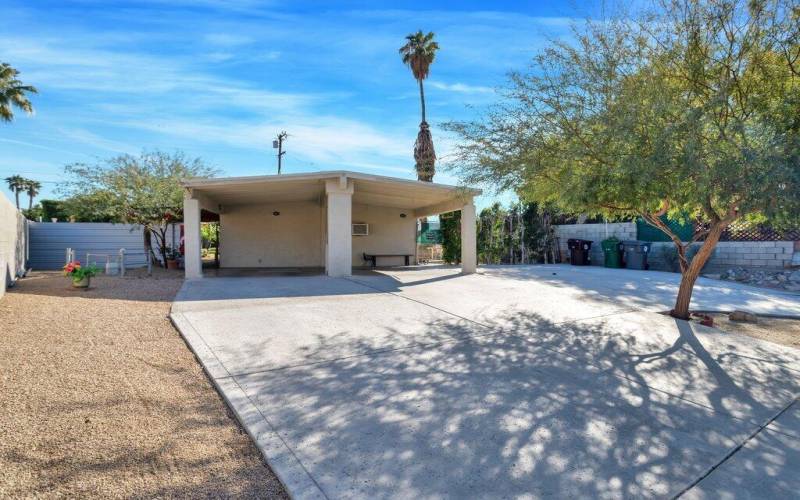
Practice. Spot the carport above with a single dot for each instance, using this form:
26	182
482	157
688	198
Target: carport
326	219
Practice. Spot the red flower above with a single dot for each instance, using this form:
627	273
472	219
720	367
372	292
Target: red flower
72	266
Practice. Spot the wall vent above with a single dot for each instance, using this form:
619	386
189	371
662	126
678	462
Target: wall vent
360	229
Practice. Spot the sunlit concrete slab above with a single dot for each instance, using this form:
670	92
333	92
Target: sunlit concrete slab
426	382
736	374
562	292
487	417
766	467
271	323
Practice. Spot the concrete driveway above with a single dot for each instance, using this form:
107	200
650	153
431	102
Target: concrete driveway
529	382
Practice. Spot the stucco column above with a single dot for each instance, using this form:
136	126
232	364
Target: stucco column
193	261
339	248
469	242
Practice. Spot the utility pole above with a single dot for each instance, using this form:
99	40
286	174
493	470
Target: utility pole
278	144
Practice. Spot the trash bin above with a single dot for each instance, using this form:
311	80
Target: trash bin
636	254
612	251
579	251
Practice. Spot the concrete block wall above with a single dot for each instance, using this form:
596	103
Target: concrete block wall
13	244
595	233
727	254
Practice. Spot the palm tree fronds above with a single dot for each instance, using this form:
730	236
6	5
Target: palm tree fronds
13	93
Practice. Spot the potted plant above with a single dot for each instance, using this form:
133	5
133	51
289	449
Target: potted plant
80	276
172	258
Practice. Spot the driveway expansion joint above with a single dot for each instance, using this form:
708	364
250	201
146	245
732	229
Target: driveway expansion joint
737	448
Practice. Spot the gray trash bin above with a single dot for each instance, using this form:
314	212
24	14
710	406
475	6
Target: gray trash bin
636	254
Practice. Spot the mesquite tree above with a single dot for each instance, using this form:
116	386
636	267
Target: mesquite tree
142	189
691	110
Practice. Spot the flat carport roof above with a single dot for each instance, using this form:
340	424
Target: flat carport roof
424	198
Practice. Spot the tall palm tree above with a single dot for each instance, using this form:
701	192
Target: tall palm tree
13	93
418	54
17	184
33	188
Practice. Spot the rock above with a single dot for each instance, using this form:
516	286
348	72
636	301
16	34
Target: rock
743	316
795	276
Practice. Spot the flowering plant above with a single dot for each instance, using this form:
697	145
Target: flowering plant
75	271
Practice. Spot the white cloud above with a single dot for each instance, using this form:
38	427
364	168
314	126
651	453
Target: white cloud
461	87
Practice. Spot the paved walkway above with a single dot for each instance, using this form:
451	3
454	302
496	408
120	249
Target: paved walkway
537	380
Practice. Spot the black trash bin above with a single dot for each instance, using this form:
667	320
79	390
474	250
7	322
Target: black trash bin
636	254
579	251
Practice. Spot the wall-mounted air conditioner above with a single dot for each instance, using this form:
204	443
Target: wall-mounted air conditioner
360	229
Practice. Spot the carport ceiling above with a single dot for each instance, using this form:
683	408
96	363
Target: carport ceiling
368	189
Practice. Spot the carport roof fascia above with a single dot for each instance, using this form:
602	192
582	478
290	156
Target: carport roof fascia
200	182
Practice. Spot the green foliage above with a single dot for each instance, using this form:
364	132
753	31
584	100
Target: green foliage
692	109
419	52
142	190
209	232
695	108
517	235
13	93
450	224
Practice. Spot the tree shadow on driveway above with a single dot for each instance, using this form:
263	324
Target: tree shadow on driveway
537	409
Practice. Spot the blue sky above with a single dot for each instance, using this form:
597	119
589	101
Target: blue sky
218	79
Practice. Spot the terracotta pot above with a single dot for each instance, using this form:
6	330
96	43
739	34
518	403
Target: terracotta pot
81	283
172	264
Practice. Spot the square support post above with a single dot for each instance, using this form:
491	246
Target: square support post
469	242
193	261
339	248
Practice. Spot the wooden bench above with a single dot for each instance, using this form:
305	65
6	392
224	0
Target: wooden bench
374	258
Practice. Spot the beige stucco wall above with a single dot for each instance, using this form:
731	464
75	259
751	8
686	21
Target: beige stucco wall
250	236
388	234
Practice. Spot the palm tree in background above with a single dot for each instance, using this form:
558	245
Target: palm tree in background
32	187
418	54
17	184
13	93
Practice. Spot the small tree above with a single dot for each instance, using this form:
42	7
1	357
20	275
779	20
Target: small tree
691	111
142	190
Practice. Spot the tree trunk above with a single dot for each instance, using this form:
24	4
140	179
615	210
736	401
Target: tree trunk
16	196
422	99
30	203
692	272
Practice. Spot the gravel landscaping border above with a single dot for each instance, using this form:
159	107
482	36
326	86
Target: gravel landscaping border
101	397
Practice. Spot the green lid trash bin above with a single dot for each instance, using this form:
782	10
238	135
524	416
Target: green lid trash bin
612	250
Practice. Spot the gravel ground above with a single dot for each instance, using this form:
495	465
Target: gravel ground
100	397
780	331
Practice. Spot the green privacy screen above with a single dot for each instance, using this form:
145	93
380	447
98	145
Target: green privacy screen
430	233
646	232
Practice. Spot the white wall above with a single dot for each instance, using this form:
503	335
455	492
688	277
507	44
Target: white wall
13	244
250	236
388	234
